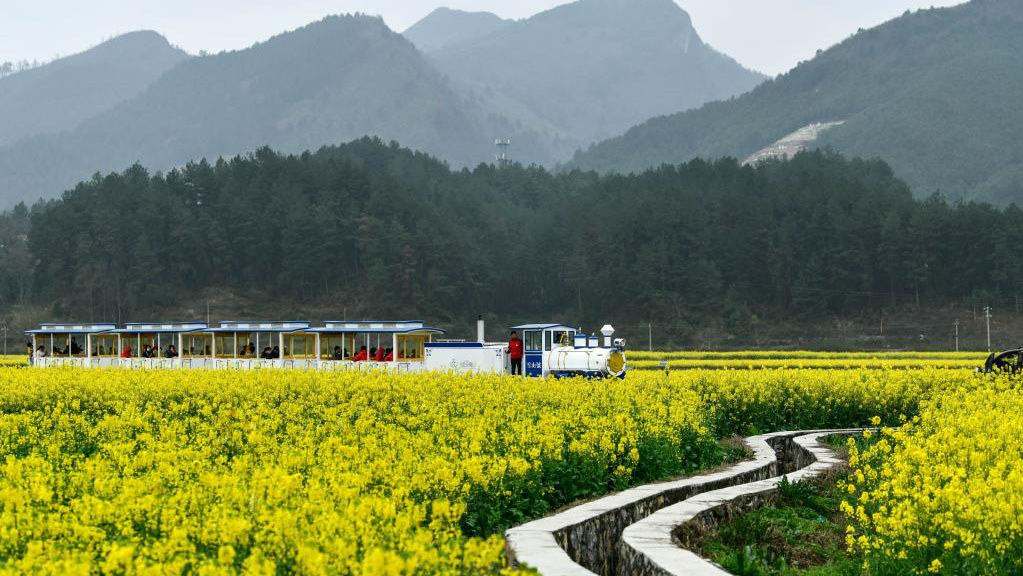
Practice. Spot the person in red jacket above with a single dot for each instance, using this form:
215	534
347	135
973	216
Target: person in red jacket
126	353
380	354
515	353
361	355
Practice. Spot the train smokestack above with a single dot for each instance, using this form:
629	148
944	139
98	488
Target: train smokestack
480	332
608	331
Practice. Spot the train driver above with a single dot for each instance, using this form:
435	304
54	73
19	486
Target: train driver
515	353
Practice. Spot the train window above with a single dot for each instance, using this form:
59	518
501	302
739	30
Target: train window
547	340
562	338
532	341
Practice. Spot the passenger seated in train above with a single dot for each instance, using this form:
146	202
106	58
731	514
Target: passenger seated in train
267	354
147	351
250	350
361	356
338	354
41	352
75	348
172	352
389	355
276	352
380	354
126	352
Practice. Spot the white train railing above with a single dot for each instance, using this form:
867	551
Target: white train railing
226	364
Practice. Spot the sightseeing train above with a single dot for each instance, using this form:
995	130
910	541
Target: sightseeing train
548	350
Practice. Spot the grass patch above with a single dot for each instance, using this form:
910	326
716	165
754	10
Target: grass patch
802	533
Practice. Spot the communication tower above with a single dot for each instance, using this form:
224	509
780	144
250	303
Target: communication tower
502	151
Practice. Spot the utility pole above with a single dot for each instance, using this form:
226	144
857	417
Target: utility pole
987	316
957	334
650	335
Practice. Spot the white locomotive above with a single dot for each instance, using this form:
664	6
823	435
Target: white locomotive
549	350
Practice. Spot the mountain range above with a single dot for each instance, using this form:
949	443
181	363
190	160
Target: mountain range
474	79
935	93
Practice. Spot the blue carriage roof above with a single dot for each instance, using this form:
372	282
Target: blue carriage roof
72	329
254	326
542	326
161	328
377	326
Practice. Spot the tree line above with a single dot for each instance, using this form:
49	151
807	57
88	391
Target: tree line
369	229
8	68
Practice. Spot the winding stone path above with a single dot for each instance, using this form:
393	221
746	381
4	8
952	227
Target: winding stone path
632	532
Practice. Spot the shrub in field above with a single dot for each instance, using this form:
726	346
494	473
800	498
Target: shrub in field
943	493
13	360
751	402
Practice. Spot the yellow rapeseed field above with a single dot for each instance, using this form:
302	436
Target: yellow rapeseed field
843	363
801	359
944	493
290	472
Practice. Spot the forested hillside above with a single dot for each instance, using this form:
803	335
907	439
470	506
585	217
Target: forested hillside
590	69
61	94
366	229
935	93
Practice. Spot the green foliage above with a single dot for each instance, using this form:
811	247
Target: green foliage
379	230
15	258
800	533
933	93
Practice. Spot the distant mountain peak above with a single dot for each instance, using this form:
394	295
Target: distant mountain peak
67	91
136	42
589	69
446	26
632	10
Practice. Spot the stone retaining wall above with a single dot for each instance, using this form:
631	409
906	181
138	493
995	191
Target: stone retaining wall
584	540
656	545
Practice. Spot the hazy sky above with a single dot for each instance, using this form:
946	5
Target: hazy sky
768	35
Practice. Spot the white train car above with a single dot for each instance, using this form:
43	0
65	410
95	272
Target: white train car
399	346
